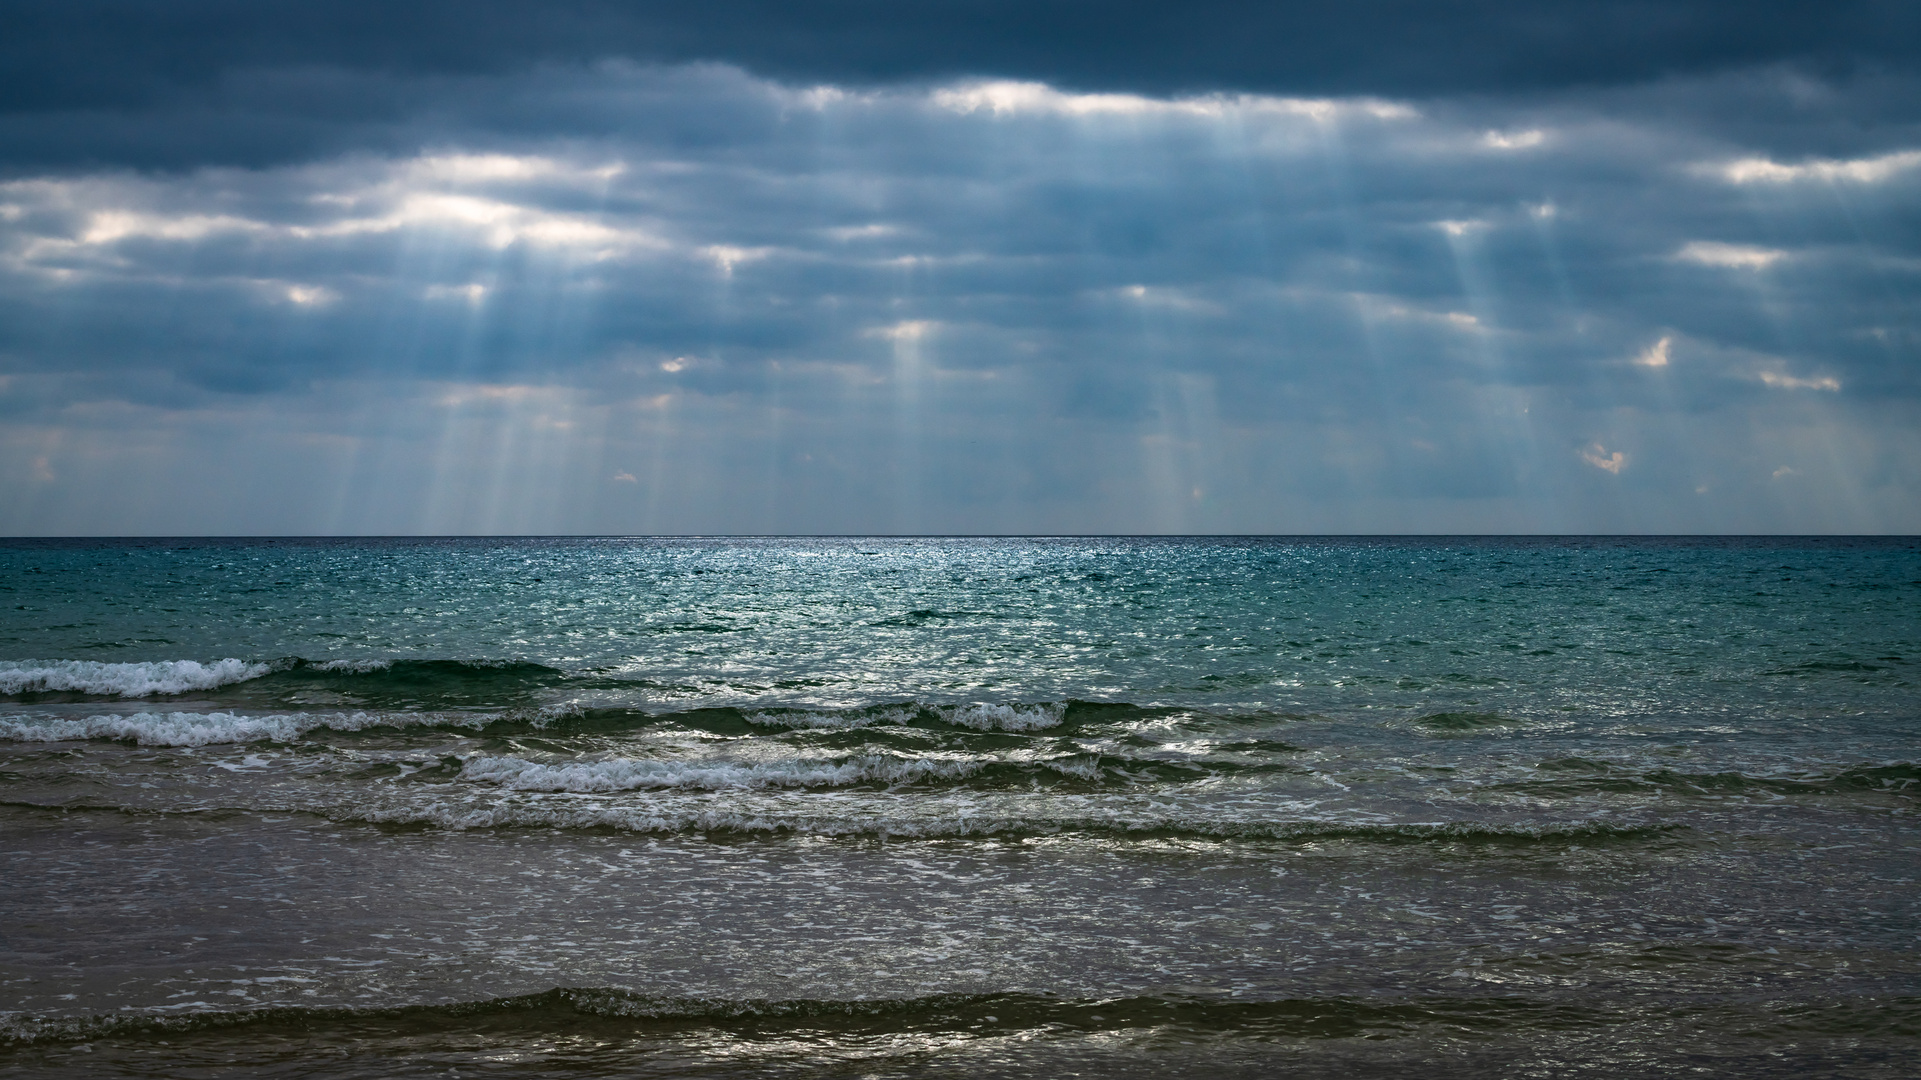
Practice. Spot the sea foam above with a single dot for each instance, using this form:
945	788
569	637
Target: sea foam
991	717
123	680
208	728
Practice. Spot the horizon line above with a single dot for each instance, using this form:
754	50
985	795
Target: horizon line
967	536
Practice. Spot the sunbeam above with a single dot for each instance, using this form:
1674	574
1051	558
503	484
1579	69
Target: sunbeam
970	305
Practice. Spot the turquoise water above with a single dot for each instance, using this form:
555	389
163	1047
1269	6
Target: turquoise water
1002	806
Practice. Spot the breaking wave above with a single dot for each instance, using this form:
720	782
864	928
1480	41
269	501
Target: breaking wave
185	728
401	682
153	678
209	728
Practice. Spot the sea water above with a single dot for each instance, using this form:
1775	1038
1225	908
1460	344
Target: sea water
987	807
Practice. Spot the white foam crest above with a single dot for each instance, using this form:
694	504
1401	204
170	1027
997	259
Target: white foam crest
988	717
123	680
636	774
159	729
1079	766
207	728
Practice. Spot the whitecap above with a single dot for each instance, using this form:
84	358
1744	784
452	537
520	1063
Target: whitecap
123	680
990	717
206	728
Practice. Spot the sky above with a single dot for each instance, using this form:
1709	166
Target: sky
959	266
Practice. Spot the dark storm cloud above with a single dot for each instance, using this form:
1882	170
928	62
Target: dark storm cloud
1084	231
242	81
997	297
959	267
112	52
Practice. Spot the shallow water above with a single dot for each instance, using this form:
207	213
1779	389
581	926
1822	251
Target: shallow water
882	807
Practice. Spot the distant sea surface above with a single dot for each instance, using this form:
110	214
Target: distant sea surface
983	807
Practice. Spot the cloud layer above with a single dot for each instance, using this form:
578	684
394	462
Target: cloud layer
620	297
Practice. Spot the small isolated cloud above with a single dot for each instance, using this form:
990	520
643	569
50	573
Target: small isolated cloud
310	295
1380	307
1513	140
726	256
906	332
1655	355
625	478
849	233
466	394
1174	299
1729	256
1781	381
1868	170
1597	455
472	293
1784	471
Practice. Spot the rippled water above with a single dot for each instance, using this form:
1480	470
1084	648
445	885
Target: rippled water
1001	807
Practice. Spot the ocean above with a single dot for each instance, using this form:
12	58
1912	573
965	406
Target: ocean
879	807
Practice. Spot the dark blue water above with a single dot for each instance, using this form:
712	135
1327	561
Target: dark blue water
996	806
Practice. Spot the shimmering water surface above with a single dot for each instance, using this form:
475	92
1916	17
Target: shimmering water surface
995	807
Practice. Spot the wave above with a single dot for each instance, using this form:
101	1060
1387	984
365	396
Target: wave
392	680
980	716
713	821
1463	723
723	824
626	774
1121	824
618	1013
1083	770
133	680
562	1009
210	728
184	728
385	684
1592	777
416	675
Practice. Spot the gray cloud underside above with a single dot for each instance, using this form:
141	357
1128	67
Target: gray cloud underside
117	52
623	297
91	83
